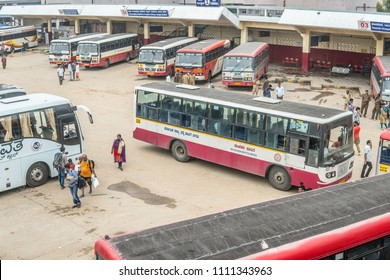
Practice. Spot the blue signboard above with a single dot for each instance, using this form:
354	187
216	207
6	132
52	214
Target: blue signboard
147	13
208	3
380	26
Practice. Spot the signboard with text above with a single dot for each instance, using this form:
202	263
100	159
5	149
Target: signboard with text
208	3
147	13
374	26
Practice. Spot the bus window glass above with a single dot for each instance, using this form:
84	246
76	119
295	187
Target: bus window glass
276	132
239	64
146	104
59	48
151	56
360	250
189	60
314	147
86	48
385	153
338	144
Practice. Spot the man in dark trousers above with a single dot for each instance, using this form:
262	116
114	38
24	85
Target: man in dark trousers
367	159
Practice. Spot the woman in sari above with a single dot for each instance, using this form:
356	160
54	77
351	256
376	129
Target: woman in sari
119	151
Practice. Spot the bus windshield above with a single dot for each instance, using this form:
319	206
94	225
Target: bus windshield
151	56
189	60
386	85
86	48
338	143
238	64
59	48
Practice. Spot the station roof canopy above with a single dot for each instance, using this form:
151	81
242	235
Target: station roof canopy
185	15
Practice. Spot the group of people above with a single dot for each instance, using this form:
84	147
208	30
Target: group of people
267	88
73	69
187	79
69	172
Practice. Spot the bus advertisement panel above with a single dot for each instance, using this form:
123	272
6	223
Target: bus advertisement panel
63	51
383	159
33	127
203	58
158	59
350	221
291	144
108	49
380	77
244	64
17	36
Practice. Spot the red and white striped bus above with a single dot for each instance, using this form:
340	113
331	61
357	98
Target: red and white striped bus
64	50
244	64
289	143
204	58
380	77
350	221
158	59
105	50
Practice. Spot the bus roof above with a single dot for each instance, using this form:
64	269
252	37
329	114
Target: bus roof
233	99
205	45
167	43
78	38
383	63
109	37
30	102
247	49
385	135
271	225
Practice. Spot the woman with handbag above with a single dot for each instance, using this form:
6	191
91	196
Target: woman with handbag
118	149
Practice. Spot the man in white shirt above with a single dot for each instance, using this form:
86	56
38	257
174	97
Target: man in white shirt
279	91
367	159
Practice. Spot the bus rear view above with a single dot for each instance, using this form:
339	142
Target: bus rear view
380	77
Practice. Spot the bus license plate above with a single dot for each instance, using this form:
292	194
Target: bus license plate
343	169
237	83
149	73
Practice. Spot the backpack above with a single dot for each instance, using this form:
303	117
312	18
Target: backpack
57	162
81	183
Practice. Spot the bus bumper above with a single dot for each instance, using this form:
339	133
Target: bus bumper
149	73
237	83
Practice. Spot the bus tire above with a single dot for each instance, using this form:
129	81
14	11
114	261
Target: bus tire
279	178
106	64
179	151
209	77
172	71
128	57
37	175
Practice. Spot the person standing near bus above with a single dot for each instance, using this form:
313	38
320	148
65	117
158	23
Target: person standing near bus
60	159
377	107
70	70
86	170
72	179
177	77
356	137
366	98
186	78
77	73
255	88
383	116
12	50
192	79
265	85
4	61
346	97
168	78
279	91
367	159
60	74
267	92
118	149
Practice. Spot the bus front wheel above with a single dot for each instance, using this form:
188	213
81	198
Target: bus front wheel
179	151
37	175
106	64
279	178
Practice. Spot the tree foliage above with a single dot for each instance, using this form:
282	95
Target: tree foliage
385	8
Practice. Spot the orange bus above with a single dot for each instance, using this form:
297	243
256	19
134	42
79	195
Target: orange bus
204	58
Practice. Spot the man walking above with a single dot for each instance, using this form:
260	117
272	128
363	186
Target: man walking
60	73
377	107
72	179
70	70
60	159
279	91
367	159
356	137
366	98
255	88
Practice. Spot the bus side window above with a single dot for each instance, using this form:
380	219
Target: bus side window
314	146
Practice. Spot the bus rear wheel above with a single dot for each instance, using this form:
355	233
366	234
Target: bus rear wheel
128	57
179	151
279	178
209	78
37	175
106	64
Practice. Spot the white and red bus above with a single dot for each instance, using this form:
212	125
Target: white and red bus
105	50
350	221
380	77
17	36
158	59
383	158
63	51
289	143
204	58
244	64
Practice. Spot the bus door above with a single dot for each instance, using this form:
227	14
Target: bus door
297	146
70	134
383	162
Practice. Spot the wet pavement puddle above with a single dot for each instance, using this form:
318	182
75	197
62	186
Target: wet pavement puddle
143	194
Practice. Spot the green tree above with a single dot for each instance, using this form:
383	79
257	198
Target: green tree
385	8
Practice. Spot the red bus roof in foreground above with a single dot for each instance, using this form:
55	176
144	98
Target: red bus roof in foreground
385	135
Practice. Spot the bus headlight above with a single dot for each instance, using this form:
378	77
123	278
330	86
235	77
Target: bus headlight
330	174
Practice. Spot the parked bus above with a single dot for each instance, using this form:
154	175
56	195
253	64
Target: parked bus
244	64
108	49
380	77
289	143
64	50
17	36
204	58
158	59
343	222
383	158
33	127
